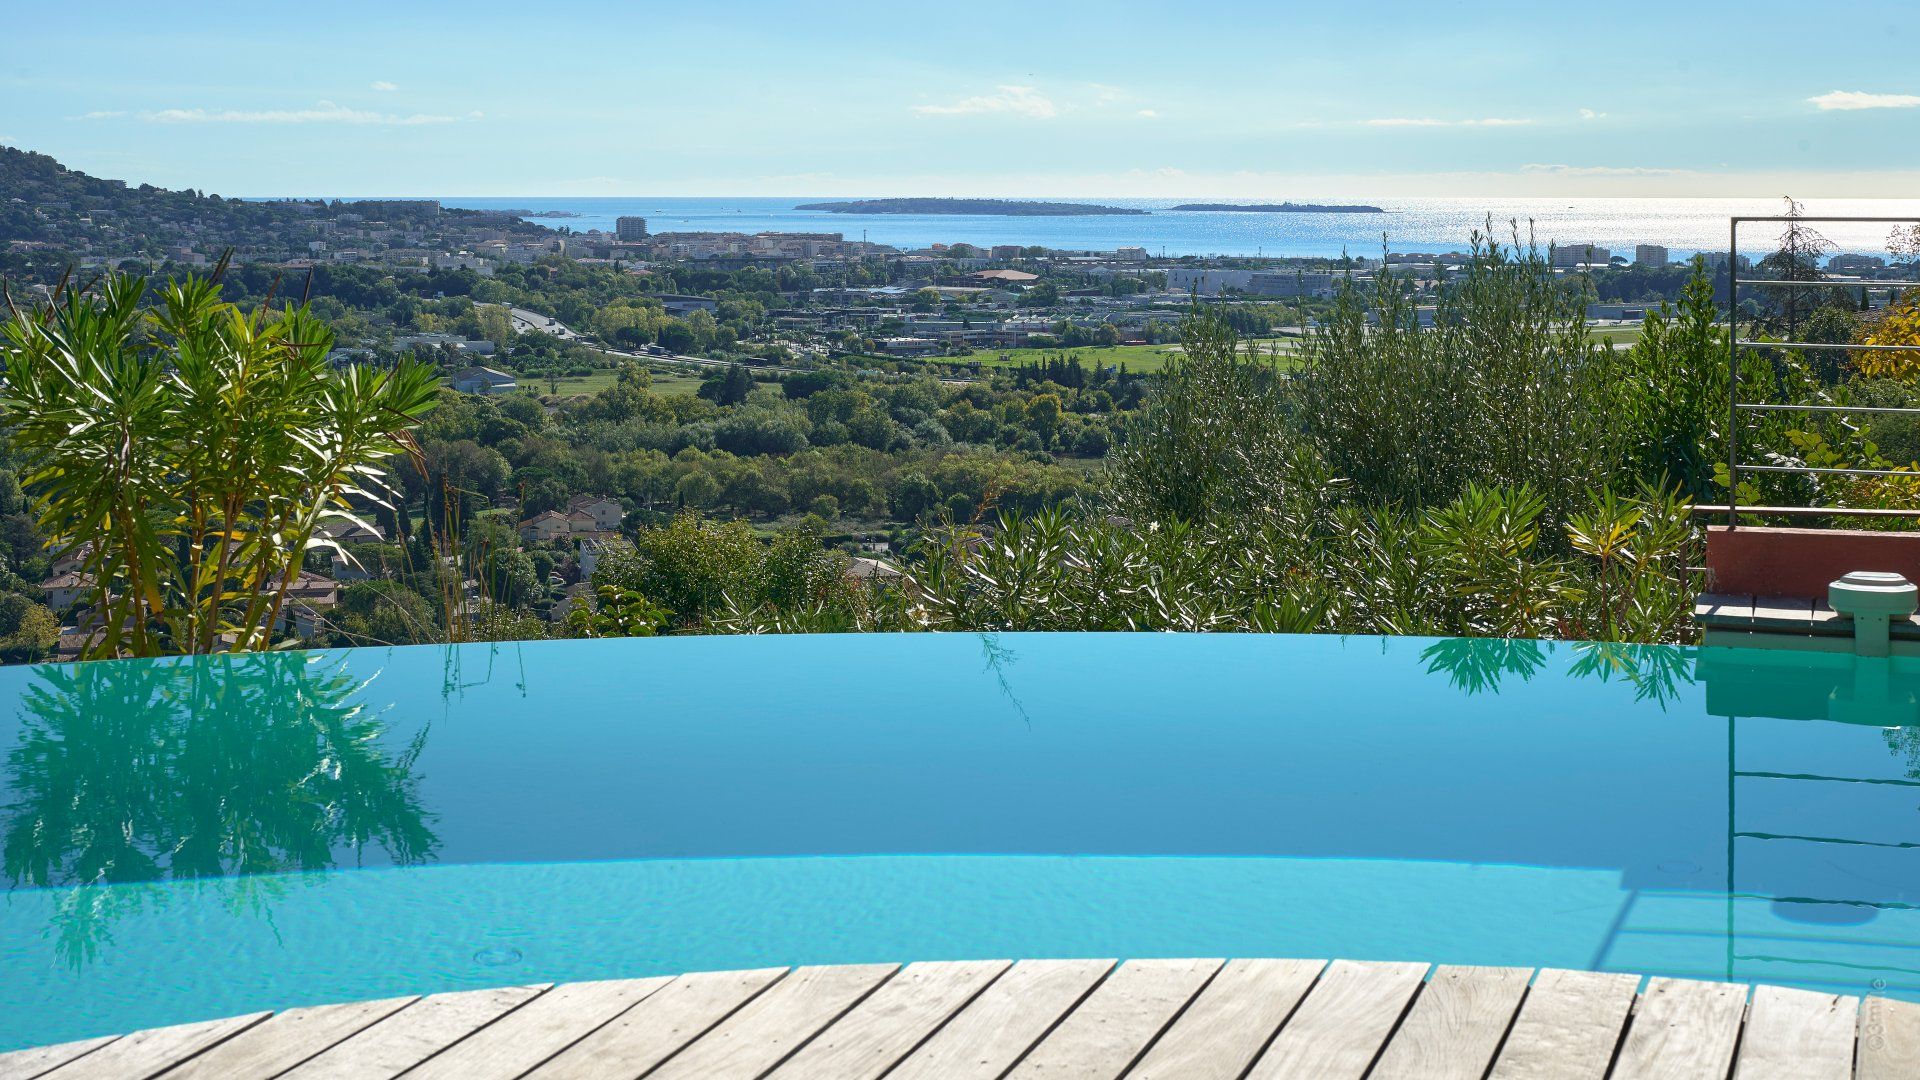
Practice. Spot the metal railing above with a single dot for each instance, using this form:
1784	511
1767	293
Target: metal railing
1735	407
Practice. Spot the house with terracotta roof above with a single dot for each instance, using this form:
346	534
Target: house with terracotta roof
544	526
606	513
65	590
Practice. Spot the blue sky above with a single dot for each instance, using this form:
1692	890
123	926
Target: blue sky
982	98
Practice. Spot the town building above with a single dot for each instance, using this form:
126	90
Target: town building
1847	263
1289	283
65	590
606	514
1650	255
1577	256
681	305
310	598
483	380
547	525
630	228
587	517
1206	282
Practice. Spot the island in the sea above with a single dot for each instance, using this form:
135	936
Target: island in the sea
1283	208
997	207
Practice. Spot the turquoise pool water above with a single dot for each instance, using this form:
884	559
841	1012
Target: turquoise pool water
191	839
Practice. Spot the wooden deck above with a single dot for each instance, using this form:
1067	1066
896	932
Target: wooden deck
1259	1019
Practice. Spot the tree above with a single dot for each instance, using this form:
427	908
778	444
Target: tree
730	387
697	489
199	448
28	631
915	496
1796	259
1043	415
385	613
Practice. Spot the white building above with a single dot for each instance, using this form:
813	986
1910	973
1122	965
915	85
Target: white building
1574	256
483	380
1650	255
1289	283
1206	282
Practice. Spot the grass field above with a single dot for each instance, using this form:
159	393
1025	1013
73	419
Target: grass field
670	384
1617	335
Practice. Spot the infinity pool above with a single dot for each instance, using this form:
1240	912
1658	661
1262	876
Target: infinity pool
192	839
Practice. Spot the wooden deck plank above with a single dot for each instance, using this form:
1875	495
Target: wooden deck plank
286	1039
147	1053
39	1060
776	1023
1889	1042
1456	1024
883	1029
1338	1031
415	1033
1682	1029
1118	1020
1231	1021
1187	1019
659	1027
536	1031
1569	1026
1798	1035
1004	1022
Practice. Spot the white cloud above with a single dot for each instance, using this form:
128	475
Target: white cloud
1428	121
325	112
1860	99
383	85
1011	100
1595	170
103	114
1148	113
1590	114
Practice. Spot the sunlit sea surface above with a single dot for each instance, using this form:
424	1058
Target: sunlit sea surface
1409	225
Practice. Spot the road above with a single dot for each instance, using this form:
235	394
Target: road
526	321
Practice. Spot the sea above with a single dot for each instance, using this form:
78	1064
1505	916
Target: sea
1409	225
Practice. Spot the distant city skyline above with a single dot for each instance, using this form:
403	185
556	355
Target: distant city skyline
993	98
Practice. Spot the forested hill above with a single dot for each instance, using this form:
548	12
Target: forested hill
43	201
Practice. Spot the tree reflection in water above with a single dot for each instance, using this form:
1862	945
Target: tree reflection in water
1479	665
216	769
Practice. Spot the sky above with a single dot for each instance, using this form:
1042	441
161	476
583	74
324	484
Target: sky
1043	98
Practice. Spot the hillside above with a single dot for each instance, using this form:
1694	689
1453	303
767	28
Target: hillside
44	204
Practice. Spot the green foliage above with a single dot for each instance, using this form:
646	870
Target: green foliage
28	631
1670	391
1504	388
699	570
1475	566
386	613
199	448
1055	570
1213	439
621	613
